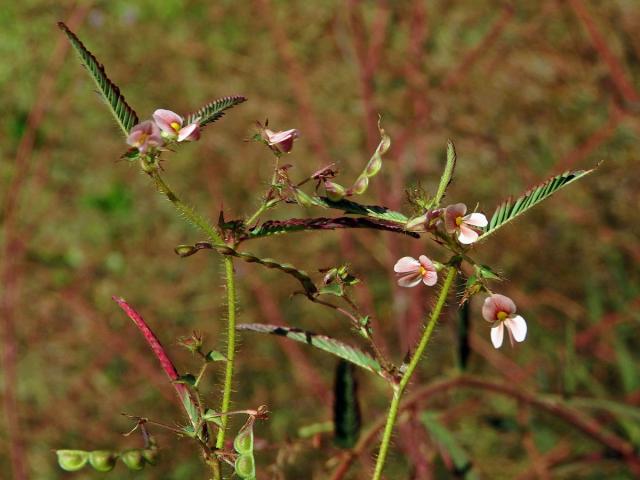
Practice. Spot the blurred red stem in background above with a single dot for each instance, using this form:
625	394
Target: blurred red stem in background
612	442
13	251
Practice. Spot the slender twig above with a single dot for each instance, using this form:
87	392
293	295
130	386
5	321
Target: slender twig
406	377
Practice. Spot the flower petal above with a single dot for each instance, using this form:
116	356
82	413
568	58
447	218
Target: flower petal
190	132
497	335
451	213
164	119
518	327
407	265
467	235
476	219
426	263
430	278
410	280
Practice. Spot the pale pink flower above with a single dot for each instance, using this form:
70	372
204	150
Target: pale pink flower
411	272
144	136
455	221
501	311
171	125
282	141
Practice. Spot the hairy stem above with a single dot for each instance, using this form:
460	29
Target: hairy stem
413	363
231	348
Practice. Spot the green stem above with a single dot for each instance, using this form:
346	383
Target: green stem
186	211
406	377
231	348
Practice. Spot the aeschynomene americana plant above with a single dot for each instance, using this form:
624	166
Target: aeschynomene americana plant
456	226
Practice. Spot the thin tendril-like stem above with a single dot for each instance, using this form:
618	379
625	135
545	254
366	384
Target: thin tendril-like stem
399	389
231	349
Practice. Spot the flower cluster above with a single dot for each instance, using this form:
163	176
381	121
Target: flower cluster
166	126
498	309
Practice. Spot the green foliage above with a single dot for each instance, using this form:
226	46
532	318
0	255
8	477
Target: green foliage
445	440
447	174
346	406
327	344
511	209
214	110
124	114
375	211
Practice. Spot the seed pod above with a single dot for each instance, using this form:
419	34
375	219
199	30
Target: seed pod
185	250
72	460
133	459
335	191
243	443
245	466
150	455
374	166
302	198
360	185
103	460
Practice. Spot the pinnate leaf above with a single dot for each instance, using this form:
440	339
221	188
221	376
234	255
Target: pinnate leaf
124	114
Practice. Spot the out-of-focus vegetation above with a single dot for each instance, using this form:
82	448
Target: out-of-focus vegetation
526	90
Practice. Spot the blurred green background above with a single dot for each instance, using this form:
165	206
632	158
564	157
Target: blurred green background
525	89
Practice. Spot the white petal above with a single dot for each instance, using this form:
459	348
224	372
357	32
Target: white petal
518	327
430	278
406	264
186	131
497	335
476	219
410	280
467	235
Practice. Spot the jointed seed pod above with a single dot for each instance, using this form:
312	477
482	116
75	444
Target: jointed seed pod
243	443
335	191
72	460
103	460
133	459
245	466
150	455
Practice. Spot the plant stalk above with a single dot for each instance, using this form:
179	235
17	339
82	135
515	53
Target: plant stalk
231	349
399	389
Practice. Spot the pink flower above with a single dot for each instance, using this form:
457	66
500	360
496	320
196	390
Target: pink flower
501	311
145	135
171	125
411	271
455	221
282	141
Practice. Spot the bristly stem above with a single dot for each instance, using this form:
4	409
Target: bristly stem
231	349
406	377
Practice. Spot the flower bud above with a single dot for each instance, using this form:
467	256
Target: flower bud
103	460
417	224
133	459
245	466
72	460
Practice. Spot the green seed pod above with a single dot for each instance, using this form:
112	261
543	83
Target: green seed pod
302	198
374	166
243	443
360	185
103	460
335	191
133	459
150	455
72	460
185	250
245	466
